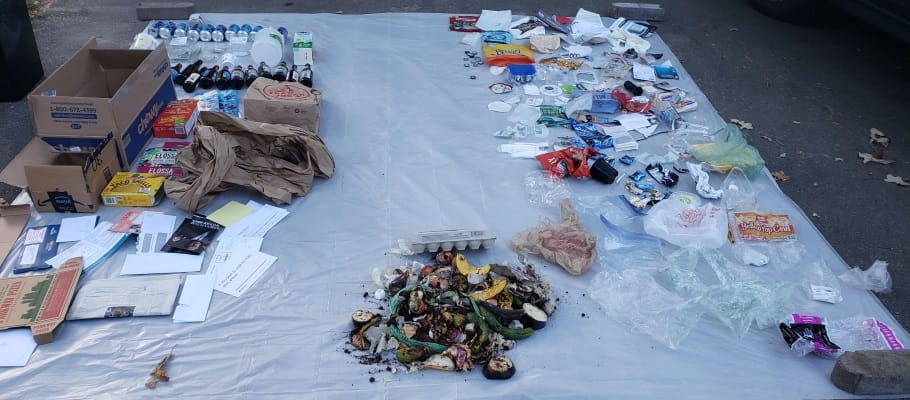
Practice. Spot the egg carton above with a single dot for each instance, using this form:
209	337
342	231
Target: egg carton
446	240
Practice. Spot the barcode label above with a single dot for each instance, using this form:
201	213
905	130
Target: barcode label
110	200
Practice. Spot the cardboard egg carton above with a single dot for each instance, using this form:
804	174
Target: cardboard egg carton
447	240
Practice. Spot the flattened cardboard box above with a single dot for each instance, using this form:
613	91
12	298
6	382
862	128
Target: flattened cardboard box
72	182
39	302
102	91
289	103
12	220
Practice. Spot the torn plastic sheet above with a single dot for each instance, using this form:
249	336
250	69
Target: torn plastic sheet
875	278
544	190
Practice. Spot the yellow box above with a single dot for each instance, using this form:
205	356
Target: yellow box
133	189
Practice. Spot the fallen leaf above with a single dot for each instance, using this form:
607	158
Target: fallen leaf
876	136
159	374
782	155
816	215
742	124
896	180
867	158
838	159
780	176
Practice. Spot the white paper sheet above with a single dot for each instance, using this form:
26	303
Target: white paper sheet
98	245
75	228
155	231
494	20
195	298
257	224
16	347
228	246
241	271
161	263
125	297
633	121
643	72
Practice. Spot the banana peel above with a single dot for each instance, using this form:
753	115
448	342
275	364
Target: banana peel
465	268
499	284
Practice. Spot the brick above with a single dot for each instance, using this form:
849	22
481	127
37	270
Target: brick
638	11
176	10
869	372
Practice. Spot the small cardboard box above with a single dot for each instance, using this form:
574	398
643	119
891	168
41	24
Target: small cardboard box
99	92
134	189
177	119
289	103
303	48
39	302
72	182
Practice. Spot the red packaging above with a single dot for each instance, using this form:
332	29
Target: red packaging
177	119
570	161
464	23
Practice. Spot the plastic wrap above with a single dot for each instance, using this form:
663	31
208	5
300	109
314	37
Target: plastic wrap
875	278
565	243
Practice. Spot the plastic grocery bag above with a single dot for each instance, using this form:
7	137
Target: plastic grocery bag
565	243
728	151
876	278
279	161
683	221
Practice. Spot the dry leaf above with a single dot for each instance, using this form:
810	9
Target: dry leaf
742	124
876	136
159	374
896	180
780	176
867	158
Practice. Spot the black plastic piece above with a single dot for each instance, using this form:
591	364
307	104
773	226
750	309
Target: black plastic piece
603	172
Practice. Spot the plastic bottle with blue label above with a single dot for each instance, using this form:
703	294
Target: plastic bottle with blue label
218	33
180	31
205	34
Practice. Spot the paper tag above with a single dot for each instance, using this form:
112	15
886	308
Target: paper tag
35	236
178	41
29	254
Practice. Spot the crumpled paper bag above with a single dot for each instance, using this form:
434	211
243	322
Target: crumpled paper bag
279	161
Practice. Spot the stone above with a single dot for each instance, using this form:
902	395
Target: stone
868	372
638	11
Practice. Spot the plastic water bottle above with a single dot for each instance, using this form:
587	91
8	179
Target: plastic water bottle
218	33
231	32
154	27
180	31
167	31
205	34
244	31
193	34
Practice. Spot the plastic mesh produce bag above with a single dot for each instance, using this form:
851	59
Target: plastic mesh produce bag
565	243
728	151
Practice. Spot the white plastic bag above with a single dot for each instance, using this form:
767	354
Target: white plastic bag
876	278
683	221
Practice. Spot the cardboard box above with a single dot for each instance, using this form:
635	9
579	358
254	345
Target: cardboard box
134	189
39	302
72	182
177	119
288	103
99	92
12	220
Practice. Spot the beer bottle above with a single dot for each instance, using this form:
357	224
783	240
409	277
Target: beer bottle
281	72
224	77
207	80
237	78
251	75
189	70
306	76
264	70
175	71
294	75
189	85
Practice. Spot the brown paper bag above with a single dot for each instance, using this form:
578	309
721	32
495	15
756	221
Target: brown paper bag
278	161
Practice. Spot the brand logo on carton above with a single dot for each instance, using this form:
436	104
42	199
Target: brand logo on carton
76	126
285	92
150	115
162	68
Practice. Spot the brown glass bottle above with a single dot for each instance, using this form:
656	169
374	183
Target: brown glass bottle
189	70
207	80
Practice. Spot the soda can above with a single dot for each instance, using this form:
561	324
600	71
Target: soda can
218	33
205	34
181	30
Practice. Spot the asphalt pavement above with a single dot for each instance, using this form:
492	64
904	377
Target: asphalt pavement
812	93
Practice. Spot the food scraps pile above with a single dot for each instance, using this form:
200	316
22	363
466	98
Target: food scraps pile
452	315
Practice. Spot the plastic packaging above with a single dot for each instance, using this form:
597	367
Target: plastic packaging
875	278
683	221
566	243
739	195
820	284
807	334
703	182
268	47
633	298
544	190
728	151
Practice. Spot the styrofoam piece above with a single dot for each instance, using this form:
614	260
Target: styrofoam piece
446	240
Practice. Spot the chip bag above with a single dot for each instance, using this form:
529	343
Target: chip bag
501	55
569	161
